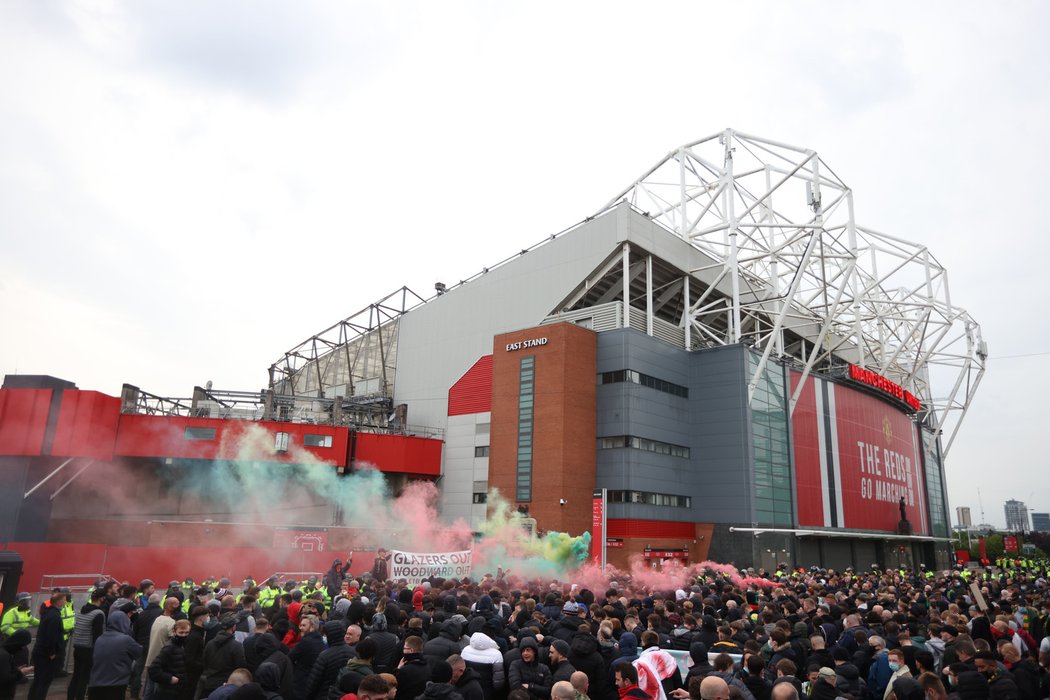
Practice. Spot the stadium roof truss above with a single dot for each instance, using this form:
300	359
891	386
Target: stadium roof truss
779	228
358	353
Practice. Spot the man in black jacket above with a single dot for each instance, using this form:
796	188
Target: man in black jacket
50	639
413	672
222	655
326	668
467	681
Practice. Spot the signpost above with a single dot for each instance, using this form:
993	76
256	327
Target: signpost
599	524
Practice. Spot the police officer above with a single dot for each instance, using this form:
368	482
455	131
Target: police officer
19	617
268	595
69	618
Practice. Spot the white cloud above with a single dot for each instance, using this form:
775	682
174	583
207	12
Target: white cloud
192	188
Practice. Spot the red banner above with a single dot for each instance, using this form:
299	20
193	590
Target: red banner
962	556
1010	544
856	457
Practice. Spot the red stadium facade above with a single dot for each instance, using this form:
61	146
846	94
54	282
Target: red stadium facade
76	467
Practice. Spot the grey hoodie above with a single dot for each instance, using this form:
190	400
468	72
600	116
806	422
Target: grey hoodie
115	653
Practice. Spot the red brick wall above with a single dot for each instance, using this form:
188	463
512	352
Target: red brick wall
564	423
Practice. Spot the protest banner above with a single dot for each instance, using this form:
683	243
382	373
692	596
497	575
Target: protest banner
414	567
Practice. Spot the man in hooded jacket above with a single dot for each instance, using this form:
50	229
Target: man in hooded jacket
222	655
528	673
448	642
115	654
326	668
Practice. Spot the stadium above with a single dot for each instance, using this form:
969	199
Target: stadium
720	363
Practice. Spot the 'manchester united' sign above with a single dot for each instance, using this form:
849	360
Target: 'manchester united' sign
877	381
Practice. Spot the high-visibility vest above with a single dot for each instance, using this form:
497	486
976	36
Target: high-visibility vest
16	619
267	595
69	618
308	591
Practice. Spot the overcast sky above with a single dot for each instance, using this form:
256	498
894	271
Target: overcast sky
188	189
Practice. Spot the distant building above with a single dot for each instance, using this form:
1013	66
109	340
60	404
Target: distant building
1041	522
1016	516
962	517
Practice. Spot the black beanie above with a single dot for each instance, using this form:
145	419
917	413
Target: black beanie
441	672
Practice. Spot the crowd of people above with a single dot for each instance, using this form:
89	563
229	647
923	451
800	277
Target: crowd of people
790	634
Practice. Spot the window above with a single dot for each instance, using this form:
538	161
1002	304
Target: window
317	440
481	451
481	497
653	499
526	376
630	376
482	428
200	433
662	448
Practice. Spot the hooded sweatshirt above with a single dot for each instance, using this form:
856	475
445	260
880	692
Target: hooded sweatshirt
115	653
482	651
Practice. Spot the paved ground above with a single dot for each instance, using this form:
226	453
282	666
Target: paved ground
56	691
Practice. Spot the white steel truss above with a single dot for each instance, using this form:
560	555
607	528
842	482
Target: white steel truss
780	225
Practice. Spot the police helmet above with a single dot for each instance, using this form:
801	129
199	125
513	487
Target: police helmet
173	584
23	596
312	579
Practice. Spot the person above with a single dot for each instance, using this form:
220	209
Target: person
374	687
168	670
222	655
561	669
351	675
388	646
159	636
563	690
325	670
626	679
115	654
380	568
1025	671
440	685
781	691
88	626
11	671
1001	685
305	652
932	687
19	617
269	679
447	642
47	651
239	678
194	648
482	654
895	660
528	673
467	680
141	627
581	684
713	688
413	671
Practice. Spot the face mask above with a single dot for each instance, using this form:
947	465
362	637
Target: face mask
178	641
894	666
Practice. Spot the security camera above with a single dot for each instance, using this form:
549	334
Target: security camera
562	501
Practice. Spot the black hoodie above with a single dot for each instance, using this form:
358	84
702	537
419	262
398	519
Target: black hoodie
469	685
585	656
9	671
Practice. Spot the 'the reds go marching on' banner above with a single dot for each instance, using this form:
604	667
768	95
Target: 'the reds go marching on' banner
414	567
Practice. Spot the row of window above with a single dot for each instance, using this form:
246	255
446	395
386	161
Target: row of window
629	375
661	448
309	440
652	499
